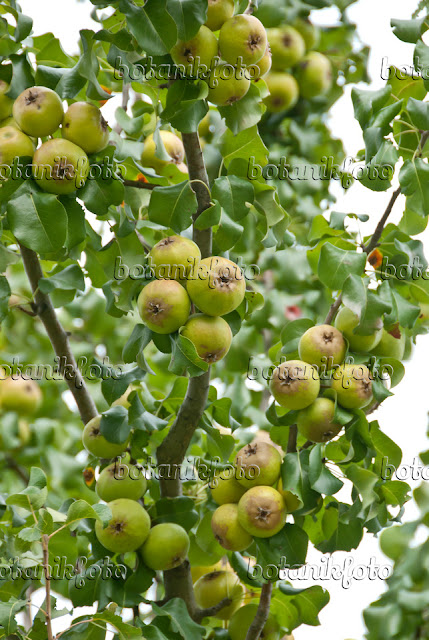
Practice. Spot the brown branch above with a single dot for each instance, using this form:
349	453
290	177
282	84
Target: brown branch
379	228
45	547
58	336
262	613
251	7
140	185
212	611
333	310
171	452
198	173
293	434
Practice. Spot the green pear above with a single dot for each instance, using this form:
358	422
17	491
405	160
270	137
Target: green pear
316	422
309	32
314	75
127	529
353	385
287	47
262	512
211	336
218	12
225	488
164	306
227	85
258	463
60	166
166	546
242	619
6	103
213	587
263	65
84	125
284	92
322	346
295	384
14	144
196	55
96	443
173	147
174	257
346	321
227	530
218	286
242	39
390	346
22	396
38	111
121	480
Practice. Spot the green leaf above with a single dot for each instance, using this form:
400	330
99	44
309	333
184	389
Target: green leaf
409	30
367	103
186	105
70	278
321	479
151	25
37	478
188	15
179	619
335	265
354	295
289	547
38	221
234	195
419	113
247	145
114	424
180	509
8	612
414	181
291	334
244	113
173	206
80	510
209	218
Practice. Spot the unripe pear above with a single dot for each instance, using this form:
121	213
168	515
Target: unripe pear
121	480
263	65
127	529
242	619
353	385
258	463
164	306
314	75
292	502
227	85
210	335
218	12
174	257
166	547
287	47
22	396
284	92
242	38
262	512
346	321
390	346
13	144
295	384
38	111
173	146
225	488
195	56
316	422
6	103
228	531
60	166
214	587
96	443
309	32
84	125
199	571
218	287
322	346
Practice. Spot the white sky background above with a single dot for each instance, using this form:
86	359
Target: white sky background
404	416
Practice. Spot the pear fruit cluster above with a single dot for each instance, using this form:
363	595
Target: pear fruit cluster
250	497
214	285
60	165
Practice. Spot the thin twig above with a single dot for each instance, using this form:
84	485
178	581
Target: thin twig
140	185
252	6
211	611
262	613
333	310
379	228
45	547
58	336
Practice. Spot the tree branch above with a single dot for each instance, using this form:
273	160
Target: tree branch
333	310
45	547
262	613
212	611
140	185
58	336
379	228
293	434
171	452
